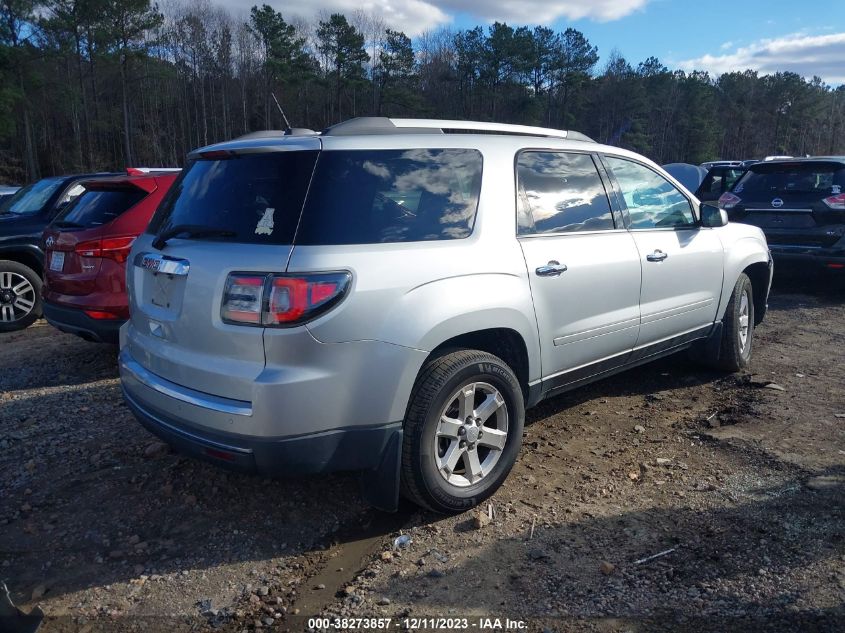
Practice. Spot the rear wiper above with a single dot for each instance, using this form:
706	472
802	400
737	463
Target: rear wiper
192	230
68	225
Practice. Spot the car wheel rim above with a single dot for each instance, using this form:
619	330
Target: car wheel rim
471	434
17	297
744	323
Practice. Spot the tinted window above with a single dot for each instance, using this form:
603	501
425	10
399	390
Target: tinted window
31	199
257	197
560	193
94	208
773	178
718	181
369	197
652	201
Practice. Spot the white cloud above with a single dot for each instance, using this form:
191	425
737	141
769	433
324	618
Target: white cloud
411	16
415	16
806	55
545	11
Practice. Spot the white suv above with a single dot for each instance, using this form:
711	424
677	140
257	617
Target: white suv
391	295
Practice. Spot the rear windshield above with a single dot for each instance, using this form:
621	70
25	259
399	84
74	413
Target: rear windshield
256	197
379	196
95	208
787	178
32	198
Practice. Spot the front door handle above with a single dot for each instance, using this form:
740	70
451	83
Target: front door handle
552	269
657	256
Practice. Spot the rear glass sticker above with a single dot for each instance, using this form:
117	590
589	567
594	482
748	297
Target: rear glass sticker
265	224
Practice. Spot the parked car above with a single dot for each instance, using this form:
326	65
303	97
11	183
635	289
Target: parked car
23	218
390	296
7	192
690	176
799	204
721	176
86	249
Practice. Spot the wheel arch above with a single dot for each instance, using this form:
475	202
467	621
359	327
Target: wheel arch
759	274
503	342
29	257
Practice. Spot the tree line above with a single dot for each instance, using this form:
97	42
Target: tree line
88	85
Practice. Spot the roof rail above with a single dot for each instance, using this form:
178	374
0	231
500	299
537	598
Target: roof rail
384	125
464	127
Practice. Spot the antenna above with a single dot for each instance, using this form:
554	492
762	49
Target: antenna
287	123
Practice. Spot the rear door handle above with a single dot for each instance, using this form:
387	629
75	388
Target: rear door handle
552	269
656	256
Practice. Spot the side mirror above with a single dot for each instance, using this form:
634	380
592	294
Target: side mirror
712	216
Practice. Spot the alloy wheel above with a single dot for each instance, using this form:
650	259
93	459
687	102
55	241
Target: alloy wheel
471	434
17	297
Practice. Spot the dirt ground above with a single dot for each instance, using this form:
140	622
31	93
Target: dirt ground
734	486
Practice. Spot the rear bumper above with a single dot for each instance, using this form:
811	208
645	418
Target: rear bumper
347	448
827	258
338	450
75	321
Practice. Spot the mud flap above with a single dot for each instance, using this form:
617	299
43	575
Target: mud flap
380	487
709	349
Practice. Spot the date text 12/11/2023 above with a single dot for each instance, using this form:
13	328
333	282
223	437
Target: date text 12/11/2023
417	624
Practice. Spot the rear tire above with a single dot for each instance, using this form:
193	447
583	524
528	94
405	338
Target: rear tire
20	296
738	328
463	431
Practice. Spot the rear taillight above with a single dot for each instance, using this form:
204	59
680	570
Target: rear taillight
121	313
242	299
281	300
728	200
836	202
116	248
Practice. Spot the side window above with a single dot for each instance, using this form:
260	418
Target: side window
652	201
382	196
560	193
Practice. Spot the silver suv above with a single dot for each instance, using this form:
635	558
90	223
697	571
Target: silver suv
390	295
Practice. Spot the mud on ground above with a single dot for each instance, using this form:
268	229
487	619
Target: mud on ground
735	483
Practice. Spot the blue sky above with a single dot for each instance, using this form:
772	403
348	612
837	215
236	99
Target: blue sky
804	36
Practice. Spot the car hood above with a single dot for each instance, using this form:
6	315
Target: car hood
13	225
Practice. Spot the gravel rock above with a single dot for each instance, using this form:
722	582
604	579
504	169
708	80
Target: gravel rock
480	520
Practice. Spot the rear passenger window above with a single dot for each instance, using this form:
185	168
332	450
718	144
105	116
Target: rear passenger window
652	201
379	196
98	207
560	193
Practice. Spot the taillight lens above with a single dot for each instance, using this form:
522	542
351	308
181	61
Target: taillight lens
728	200
116	248
120	313
281	300
242	299
836	202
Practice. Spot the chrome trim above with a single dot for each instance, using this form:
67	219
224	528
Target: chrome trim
199	439
778	210
156	263
603	330
183	394
652	317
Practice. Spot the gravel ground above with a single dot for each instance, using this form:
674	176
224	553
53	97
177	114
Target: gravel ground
735	485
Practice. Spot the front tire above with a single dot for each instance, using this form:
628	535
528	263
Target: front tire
463	431
20	296
738	327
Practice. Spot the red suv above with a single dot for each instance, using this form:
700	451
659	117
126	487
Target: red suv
86	249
